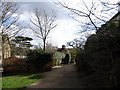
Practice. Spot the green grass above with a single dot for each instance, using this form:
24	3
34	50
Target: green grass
19	81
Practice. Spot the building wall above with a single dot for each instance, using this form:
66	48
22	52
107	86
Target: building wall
6	47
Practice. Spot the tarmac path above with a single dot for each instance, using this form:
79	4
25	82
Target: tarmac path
65	76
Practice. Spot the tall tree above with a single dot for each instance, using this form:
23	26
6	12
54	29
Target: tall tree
44	23
9	16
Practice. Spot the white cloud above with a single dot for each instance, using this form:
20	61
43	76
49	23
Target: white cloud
67	27
66	31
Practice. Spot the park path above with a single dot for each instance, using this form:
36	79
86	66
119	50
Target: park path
60	77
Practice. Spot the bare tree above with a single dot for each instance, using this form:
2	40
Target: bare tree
9	17
77	43
50	48
44	23
9	26
93	15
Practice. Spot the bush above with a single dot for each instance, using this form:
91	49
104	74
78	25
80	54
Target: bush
39	59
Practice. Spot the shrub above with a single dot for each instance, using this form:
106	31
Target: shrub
13	65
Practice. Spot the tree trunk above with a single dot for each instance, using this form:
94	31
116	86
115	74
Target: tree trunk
44	44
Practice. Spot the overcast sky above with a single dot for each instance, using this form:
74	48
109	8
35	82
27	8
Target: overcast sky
67	28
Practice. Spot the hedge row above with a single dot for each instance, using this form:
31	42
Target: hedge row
36	61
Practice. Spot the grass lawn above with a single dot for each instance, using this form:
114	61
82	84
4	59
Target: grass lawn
20	81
